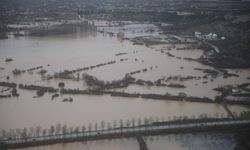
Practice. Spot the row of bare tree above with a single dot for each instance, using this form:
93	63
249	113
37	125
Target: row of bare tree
64	129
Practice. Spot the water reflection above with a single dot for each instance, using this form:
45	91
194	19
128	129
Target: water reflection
114	144
198	141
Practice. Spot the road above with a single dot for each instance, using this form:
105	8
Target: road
123	132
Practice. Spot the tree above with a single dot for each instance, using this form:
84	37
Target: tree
18	133
109	126
31	132
24	133
114	124
222	115
38	130
139	121
76	130
3	133
96	126
185	117
216	115
146	121
156	119
128	123
78	76
44	132
52	130
162	119
11	134
133	122
58	128
71	129
64	129
151	120
121	124
182	94
83	129
61	84
90	127
102	125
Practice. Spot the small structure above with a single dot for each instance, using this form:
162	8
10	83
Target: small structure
210	36
235	90
222	38
8	59
120	35
198	35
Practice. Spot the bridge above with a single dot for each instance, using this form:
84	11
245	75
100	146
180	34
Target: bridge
155	128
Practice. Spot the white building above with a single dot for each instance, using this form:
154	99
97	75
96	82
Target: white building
211	36
198	35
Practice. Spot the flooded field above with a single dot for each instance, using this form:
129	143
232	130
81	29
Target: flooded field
31	112
68	52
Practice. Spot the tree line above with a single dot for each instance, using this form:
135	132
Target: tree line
63	129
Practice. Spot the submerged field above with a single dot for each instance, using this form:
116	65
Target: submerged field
168	62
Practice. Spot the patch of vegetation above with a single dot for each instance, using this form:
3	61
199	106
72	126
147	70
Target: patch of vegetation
245	114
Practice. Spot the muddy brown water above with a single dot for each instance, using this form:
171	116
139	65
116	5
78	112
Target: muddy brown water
85	49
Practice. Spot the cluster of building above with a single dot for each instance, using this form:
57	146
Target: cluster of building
210	36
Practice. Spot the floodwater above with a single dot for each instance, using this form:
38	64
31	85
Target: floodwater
198	141
114	144
204	141
68	52
31	112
